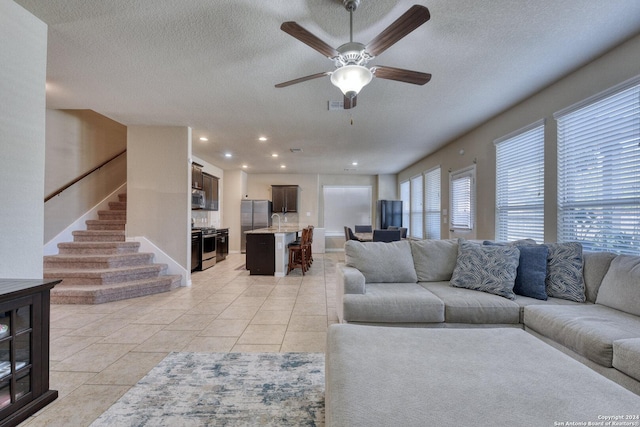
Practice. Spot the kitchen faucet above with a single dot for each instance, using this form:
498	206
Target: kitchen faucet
275	214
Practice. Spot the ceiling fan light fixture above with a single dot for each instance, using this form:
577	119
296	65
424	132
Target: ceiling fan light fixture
350	79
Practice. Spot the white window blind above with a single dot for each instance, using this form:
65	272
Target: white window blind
417	207
520	185
599	171
432	203
405	196
462	189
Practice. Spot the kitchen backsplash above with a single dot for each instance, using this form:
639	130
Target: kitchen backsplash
206	218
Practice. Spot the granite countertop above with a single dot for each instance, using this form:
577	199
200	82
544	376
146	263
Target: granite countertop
284	228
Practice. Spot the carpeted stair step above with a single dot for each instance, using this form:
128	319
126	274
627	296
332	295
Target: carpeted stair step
122	197
104	248
65	293
110	215
105	224
99	236
105	276
99	261
118	206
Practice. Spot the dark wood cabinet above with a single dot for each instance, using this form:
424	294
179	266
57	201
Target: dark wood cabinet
261	254
284	198
24	349
196	176
210	187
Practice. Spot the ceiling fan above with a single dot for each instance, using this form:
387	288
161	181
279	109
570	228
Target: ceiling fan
350	59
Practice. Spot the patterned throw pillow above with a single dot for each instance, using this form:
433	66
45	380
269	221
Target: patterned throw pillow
489	269
564	271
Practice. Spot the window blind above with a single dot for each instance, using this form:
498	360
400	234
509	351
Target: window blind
462	188
405	196
520	185
599	171
432	203
417	208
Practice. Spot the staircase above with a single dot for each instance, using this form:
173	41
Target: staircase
100	266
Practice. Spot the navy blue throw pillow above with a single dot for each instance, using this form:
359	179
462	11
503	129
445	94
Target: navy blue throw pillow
532	270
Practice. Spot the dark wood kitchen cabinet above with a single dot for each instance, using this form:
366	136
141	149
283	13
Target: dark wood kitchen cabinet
284	198
24	349
261	254
210	187
196	176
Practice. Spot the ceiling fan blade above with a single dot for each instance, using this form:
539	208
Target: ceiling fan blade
295	30
303	79
400	75
350	102
409	21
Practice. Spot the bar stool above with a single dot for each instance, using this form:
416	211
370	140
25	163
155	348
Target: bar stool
298	253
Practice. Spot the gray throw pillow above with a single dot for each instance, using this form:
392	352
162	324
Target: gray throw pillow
620	288
564	271
434	259
381	262
489	269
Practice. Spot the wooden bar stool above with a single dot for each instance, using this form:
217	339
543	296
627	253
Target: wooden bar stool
299	253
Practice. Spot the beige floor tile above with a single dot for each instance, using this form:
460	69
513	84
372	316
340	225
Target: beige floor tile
225	328
166	341
263	334
219	298
76	321
65	382
100	328
209	308
271	317
307	324
246	301
66	346
314	342
239	312
94	358
258	291
190	322
160	317
211	344
310	309
133	334
79	408
128	370
256	348
278	304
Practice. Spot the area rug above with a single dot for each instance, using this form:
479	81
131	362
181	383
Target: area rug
225	389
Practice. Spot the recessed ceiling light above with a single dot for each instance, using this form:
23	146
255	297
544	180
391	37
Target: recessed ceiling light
274	155
227	154
262	138
244	166
204	138
354	163
283	166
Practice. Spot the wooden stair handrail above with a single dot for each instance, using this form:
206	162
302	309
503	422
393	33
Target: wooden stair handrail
81	177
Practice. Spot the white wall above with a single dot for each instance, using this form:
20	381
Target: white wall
23	66
618	65
159	189
235	188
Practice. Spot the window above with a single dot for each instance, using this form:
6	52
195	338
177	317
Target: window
417	207
432	203
599	171
405	196
462	188
520	185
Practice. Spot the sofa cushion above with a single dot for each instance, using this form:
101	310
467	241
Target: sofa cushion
473	307
489	269
532	269
434	260
596	265
620	288
564	271
381	262
393	303
626	357
587	329
523	302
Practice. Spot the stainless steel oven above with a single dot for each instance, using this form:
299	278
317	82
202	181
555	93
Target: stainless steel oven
208	248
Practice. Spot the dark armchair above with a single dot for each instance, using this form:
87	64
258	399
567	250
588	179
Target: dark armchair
386	235
363	229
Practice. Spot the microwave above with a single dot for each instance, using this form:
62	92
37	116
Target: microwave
197	199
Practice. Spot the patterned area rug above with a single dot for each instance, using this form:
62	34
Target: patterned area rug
225	389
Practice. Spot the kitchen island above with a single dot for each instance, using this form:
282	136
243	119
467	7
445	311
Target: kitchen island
267	249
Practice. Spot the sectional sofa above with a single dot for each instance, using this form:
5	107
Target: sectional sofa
585	304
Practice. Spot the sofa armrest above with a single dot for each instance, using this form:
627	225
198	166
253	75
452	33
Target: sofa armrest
350	280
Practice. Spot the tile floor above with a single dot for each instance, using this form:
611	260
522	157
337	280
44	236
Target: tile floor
99	351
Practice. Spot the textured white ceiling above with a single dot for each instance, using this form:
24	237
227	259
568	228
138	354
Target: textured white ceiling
212	65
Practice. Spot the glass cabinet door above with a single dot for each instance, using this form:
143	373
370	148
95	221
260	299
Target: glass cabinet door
16	337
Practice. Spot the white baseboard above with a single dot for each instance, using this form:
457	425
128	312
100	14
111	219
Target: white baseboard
161	257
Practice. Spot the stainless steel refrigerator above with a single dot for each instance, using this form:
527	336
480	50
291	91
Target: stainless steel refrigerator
389	213
253	214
